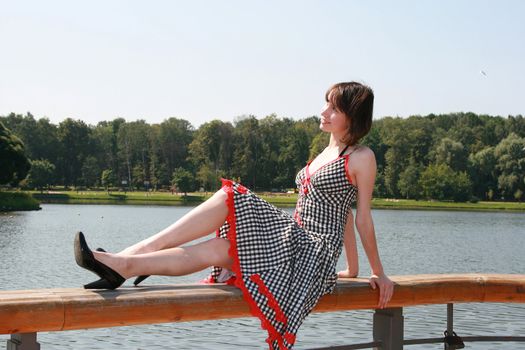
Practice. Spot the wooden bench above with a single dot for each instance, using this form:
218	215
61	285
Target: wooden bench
25	312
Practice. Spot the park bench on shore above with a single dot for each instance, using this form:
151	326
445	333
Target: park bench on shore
23	313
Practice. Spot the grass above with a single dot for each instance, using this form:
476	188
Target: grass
115	197
446	205
17	201
278	199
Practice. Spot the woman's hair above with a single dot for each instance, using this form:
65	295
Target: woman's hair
356	101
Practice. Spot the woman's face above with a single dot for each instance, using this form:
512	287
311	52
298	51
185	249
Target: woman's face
332	119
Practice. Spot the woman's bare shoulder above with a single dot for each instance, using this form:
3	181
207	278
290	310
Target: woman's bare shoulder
364	152
363	158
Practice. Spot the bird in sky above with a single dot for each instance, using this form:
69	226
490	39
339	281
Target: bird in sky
483	72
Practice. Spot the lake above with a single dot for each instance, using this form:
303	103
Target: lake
36	251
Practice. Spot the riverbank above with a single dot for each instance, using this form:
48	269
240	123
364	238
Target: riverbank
17	201
278	199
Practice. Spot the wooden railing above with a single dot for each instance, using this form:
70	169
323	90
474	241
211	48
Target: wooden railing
23	313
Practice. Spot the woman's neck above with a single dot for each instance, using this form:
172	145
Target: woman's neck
335	143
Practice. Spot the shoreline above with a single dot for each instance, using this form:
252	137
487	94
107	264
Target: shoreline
280	200
17	201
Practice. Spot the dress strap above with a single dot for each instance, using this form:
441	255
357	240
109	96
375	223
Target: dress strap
343	151
341	154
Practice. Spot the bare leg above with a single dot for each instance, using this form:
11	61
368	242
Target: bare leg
175	261
199	222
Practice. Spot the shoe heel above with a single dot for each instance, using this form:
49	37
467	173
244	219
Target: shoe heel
85	259
140	279
99	284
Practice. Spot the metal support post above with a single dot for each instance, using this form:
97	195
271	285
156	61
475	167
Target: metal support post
389	328
23	341
452	341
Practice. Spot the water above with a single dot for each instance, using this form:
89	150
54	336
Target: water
36	251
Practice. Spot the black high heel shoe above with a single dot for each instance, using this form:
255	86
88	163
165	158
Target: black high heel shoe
84	258
140	279
100	283
103	284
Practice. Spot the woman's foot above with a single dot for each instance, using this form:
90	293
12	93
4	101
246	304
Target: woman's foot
98	262
132	250
104	284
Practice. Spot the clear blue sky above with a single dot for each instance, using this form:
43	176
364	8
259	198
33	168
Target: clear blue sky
201	60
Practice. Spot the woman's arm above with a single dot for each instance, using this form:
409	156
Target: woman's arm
352	268
365	174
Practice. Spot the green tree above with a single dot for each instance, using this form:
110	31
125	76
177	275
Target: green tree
518	194
466	129
247	152
103	140
396	157
183	180
408	183
493	131
510	158
379	185
139	176
375	142
41	174
107	179
174	137
452	153
516	124
283	144
14	165
211	147
435	181
319	143
39	136
133	140
208	178
482	170
91	171
310	125
293	154
440	181
74	148
162	176
462	187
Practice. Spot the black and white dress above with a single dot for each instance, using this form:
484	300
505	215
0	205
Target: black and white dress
282	263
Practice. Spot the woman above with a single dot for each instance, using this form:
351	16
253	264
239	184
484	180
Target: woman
282	264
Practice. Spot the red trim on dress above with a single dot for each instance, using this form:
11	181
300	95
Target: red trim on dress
347	173
272	302
227	186
290	338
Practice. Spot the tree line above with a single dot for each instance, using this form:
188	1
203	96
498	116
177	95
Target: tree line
456	156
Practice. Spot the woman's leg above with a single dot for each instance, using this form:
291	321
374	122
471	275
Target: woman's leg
170	261
199	222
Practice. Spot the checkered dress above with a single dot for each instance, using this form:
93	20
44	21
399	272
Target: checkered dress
282	263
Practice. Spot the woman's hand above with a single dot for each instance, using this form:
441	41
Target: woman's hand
386	288
347	274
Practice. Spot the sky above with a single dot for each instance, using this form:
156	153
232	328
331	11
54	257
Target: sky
204	60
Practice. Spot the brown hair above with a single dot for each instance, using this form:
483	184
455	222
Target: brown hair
356	101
